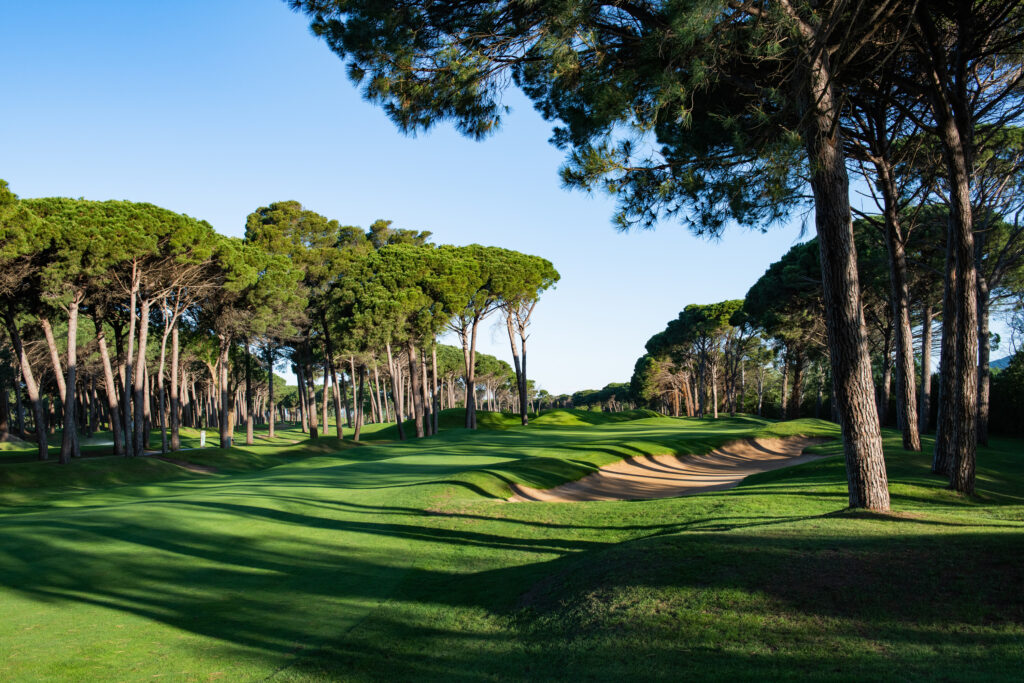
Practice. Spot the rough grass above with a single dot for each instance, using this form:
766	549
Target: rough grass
404	561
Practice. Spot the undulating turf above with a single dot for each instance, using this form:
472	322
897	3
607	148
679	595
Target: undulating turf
404	561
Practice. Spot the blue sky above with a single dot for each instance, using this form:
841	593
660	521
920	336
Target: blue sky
216	107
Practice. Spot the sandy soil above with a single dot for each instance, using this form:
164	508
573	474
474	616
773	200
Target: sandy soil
667	476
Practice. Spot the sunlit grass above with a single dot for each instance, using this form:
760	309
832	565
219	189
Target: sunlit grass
403	561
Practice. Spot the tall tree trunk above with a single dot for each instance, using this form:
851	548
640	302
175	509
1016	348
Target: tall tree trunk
435	395
924	414
336	391
249	417
942	457
906	393
962	400
520	386
428	422
31	387
396	393
867	482
984	355
141	408
796	395
314	427
360	400
382	401
470	361
301	377
784	402
69	436
323	403
19	407
126	399
223	358
175	397
414	379
270	390
161	385
336	395
5	406
714	389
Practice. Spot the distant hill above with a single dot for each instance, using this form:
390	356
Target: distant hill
1000	364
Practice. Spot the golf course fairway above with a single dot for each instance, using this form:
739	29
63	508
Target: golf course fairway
404	561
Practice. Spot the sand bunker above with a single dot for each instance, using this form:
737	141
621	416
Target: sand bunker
667	476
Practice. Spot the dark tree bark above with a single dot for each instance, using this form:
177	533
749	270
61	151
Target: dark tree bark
435	396
906	398
223	358
844	318
984	357
425	396
359	402
68	437
926	370
175	393
31	387
396	393
414	379
70	445
962	401
796	394
141	409
249	417
270	390
314	427
335	389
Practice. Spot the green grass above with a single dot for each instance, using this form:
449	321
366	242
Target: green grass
403	561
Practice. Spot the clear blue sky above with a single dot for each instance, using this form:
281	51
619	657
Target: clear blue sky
216	107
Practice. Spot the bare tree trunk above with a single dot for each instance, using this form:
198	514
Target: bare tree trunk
359	400
129	378
435	396
714	389
984	355
425	397
30	382
924	414
225	407
249	417
796	395
270	390
396	393
942	457
414	379
141	409
301	377
19	407
382	400
323	403
844	319
900	295
175	393
161	406
314	427
784	399
69	437
336	396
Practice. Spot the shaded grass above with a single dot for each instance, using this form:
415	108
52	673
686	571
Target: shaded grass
403	561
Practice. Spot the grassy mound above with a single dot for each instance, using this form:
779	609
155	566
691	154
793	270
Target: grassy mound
450	418
403	561
574	417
